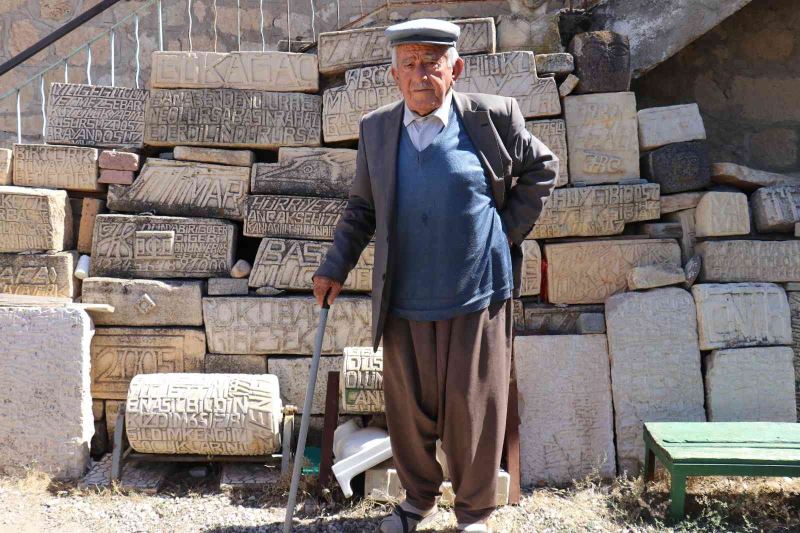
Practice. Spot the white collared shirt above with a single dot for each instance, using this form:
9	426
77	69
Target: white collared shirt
423	130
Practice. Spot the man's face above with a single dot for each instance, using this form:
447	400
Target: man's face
423	75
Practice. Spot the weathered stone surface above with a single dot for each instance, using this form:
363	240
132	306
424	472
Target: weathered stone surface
232	117
39	274
735	315
692	270
722	213
663	230
602	138
292	217
145	302
570	438
289	264
220	156
235	364
361	380
669	124
91	115
267	71
546	319
34	220
688	237
651	276
284	324
323	172
119	354
559	63
56	167
184	189
162	247
596	210
553	133
746	260
736	382
575	274
655	365
118	160
6	166
678	167
568	85
679	202
162	413
227	286
602	61
119	177
46	422
748	179
90	208
776	208
794	308
589	323
248	476
137	476
293	375
531	281
342	50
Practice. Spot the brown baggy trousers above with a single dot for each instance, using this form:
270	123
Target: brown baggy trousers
449	379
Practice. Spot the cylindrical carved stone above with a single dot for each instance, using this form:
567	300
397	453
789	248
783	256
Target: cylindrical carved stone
602	62
361	383
208	414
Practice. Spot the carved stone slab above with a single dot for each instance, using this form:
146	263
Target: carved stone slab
720	214
292	217
289	264
284	325
776	208
91	115
293	374
678	167
342	50
361	380
602	61
736	315
56	167
39	274
589	272
268	71
794	307
736	381
679	202
570	438
207	414
232	117
323	172
748	179
6	166
669	124
596	210
118	354
553	133
185	189
34	220
145	302
602	137
546	319
531	269
745	260
652	276
220	156
558	63
162	247
652	334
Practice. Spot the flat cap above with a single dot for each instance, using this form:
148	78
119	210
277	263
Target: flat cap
425	31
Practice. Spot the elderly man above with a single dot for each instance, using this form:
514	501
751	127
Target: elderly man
434	184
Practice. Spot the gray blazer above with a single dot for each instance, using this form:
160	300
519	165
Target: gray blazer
506	149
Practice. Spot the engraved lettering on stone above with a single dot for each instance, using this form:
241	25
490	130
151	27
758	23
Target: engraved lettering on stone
38	274
361	382
553	133
56	167
745	260
34	219
292	217
324	172
776	208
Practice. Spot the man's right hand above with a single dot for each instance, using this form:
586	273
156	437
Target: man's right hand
321	286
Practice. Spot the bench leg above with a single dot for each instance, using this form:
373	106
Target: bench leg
677	495
649	464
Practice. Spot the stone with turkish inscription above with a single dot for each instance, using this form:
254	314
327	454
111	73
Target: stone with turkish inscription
573	437
652	276
6	166
92	115
669	124
748	260
748	179
568	85
546	319
679	202
602	138
145	302
56	167
293	376
590	272
227	286
323	172
219	156
589	323
736	315
119	177
361	380
120	353
737	381
39	274
46	423
602	61
688	237
342	50
248	476
184	189
553	133
34	220
776	208
655	366
720	214
290	264
559	63
678	167
162	247
235	364
531	269
292	217
794	308
245	118
268	71
118	160
595	210
90	208
162	411
284	324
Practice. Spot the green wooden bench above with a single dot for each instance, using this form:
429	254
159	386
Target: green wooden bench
719	449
